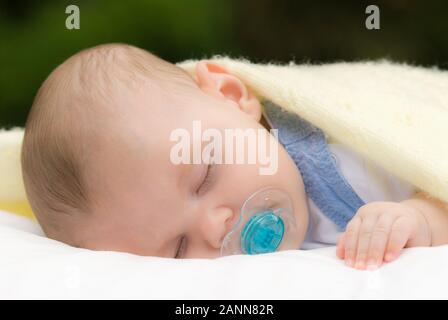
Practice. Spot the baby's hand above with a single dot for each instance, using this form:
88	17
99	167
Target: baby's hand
379	231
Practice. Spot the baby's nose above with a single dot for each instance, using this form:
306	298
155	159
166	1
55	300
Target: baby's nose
216	224
232	221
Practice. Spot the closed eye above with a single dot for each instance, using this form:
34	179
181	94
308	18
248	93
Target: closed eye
180	252
207	181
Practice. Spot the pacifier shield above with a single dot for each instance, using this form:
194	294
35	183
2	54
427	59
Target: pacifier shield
266	224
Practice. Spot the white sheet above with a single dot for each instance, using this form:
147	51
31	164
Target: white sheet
32	266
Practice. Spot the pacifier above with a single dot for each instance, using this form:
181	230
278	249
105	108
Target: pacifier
266	224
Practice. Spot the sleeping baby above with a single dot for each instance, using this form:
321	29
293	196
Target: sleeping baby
99	173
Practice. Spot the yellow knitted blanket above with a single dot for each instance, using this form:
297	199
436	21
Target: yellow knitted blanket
393	114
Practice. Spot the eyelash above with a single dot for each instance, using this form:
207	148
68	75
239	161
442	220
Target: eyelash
181	249
207	180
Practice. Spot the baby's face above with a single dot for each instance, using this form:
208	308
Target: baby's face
148	205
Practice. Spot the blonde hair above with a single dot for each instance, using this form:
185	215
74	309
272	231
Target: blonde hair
60	129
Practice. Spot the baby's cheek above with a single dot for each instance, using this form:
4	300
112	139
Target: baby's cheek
295	187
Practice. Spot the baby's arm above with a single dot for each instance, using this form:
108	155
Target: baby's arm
380	230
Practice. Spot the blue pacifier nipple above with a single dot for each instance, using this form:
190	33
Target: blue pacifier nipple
263	233
266	224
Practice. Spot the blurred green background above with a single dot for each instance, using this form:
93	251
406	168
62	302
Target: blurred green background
34	40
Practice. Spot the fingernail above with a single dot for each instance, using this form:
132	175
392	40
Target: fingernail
389	256
360	264
349	262
372	265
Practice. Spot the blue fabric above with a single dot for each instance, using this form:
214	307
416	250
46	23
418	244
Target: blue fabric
307	146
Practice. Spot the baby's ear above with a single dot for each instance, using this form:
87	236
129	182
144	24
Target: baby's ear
215	80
